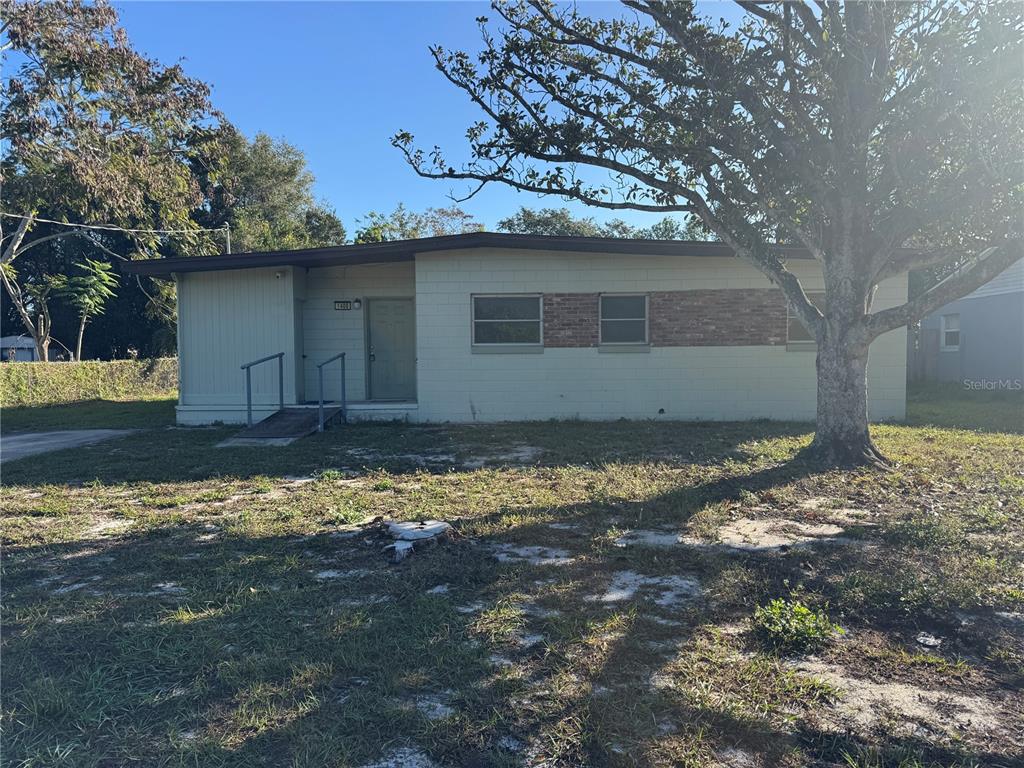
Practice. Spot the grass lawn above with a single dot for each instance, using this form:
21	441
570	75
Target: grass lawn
167	602
91	414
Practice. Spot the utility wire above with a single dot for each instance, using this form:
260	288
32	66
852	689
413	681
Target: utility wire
112	228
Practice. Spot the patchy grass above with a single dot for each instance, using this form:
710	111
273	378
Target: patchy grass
91	414
167	602
950	405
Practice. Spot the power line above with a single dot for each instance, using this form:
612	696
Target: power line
112	228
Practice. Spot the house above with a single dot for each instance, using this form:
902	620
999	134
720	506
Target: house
18	349
490	327
977	340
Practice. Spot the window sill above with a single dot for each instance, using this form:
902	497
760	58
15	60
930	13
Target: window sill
614	348
801	346
949	349
506	349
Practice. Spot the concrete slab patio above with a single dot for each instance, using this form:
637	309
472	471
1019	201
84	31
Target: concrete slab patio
22	444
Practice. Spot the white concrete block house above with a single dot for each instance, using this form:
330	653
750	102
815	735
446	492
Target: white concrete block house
489	327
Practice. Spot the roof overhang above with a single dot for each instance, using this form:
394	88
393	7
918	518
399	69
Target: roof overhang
406	250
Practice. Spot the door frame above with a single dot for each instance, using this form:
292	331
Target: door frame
368	303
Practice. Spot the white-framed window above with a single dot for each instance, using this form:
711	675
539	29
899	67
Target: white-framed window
623	318
509	319
795	331
949	333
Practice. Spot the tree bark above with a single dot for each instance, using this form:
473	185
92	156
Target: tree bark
841	437
78	343
42	340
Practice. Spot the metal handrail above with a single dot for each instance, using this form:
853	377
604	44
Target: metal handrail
248	383
320	375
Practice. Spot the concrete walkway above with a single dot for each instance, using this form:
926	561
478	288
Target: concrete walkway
20	445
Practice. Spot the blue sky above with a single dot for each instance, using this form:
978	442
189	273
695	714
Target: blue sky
337	79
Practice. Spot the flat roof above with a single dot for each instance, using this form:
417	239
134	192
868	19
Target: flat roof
406	250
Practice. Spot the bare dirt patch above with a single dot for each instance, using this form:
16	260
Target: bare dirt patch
509	553
107	527
768	534
648	538
406	757
666	591
522	454
903	708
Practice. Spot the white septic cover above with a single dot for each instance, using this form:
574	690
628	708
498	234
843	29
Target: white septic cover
423	529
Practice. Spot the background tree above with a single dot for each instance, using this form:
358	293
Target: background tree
852	128
549	221
92	132
87	292
263	190
559	221
403	224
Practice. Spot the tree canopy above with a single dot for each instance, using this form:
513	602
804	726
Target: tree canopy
263	190
560	221
403	224
881	136
94	132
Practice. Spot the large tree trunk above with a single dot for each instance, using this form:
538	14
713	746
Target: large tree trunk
841	436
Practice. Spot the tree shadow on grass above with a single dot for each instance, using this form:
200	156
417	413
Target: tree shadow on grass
191	455
184	643
91	414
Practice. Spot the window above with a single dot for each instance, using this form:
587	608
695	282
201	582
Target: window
623	319
795	331
508	319
950	333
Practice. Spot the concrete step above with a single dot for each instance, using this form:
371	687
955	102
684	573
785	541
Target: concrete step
289	423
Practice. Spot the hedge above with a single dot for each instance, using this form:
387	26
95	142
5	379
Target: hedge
55	383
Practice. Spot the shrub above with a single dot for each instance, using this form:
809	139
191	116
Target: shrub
24	384
791	627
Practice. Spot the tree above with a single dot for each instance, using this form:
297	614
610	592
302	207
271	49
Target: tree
559	221
263	190
93	132
549	221
855	129
87	292
403	224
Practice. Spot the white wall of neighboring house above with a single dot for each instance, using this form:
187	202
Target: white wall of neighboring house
231	317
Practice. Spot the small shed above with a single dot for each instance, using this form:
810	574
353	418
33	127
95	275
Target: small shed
19	349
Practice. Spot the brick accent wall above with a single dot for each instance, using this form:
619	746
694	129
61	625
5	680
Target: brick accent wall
730	317
570	319
734	317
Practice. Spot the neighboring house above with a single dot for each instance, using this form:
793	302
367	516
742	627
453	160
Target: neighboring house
24	349
492	327
979	338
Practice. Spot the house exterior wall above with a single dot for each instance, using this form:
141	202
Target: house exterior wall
717	330
329	331
700	373
226	319
991	340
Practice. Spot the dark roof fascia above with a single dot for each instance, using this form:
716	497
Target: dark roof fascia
406	250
